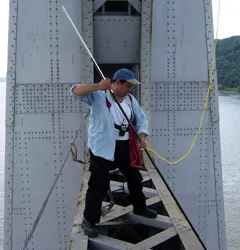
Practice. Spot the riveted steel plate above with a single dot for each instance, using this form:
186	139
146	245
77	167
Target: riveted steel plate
116	39
44	98
178	96
34	42
178	41
42	142
178	92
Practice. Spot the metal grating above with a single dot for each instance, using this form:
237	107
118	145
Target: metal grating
126	40
166	227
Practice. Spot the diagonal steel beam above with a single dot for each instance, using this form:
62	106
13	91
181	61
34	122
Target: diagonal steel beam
118	186
106	243
157	239
187	235
119	211
162	222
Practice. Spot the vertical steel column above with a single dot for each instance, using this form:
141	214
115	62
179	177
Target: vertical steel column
10	122
145	67
214	113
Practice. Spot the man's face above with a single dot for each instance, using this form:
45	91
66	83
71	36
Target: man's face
124	89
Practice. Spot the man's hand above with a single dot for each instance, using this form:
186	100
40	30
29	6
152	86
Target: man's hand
104	84
143	143
83	88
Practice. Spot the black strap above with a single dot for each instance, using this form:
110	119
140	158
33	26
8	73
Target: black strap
108	104
121	127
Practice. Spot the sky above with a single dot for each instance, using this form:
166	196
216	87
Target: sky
228	25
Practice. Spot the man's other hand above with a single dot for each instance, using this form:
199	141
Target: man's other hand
143	142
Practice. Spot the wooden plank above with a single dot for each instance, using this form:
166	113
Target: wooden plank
184	230
104	242
158	238
78	241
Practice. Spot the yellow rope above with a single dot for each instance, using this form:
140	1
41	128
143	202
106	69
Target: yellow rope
204	110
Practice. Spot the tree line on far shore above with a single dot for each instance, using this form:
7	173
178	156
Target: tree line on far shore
228	63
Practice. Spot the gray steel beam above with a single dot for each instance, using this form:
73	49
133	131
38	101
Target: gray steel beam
10	124
162	222
187	235
145	55
78	242
117	186
157	239
107	243
218	202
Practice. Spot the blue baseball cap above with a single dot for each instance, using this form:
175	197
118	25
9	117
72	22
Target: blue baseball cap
126	74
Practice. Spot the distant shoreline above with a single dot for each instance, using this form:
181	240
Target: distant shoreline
228	92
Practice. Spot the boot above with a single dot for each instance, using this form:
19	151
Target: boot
89	228
146	212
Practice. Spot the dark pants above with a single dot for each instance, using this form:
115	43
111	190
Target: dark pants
99	181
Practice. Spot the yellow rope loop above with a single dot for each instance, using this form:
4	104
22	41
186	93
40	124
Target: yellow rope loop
74	154
107	209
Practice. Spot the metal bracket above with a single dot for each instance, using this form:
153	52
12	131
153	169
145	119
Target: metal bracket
97	4
136	5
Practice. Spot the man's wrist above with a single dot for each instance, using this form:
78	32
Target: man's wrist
142	136
96	86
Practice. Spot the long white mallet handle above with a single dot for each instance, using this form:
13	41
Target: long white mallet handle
84	44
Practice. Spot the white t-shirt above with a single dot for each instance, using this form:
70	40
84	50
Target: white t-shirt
119	118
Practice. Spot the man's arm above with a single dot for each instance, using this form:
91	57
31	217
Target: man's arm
83	89
141	122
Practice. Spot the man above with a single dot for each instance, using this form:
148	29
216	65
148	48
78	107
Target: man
108	142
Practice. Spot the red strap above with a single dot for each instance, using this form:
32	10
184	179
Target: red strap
108	103
134	150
